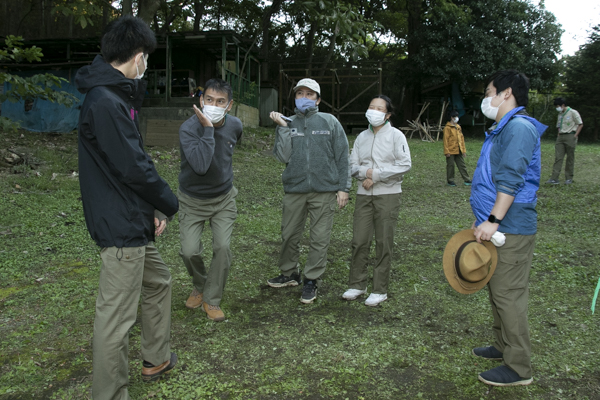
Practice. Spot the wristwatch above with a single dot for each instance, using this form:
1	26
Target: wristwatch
492	218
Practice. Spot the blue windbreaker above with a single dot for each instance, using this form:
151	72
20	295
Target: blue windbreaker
510	162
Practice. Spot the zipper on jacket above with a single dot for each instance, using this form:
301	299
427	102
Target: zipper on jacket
372	160
307	151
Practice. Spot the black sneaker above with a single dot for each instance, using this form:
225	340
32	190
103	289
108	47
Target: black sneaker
451	184
489	353
503	376
283	281
309	291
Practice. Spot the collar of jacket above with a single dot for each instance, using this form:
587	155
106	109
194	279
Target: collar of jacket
516	112
311	111
385	128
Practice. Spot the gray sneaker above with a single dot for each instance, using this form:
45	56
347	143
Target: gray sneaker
568	181
552	182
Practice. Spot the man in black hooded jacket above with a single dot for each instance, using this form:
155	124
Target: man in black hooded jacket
126	203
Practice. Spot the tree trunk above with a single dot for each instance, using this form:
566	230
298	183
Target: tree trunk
310	44
198	11
106	7
333	38
147	9
127	6
266	25
415	10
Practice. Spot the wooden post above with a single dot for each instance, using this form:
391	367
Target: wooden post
168	72
223	56
380	78
332	92
280	88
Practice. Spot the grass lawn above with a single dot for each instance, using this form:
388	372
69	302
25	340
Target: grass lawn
415	345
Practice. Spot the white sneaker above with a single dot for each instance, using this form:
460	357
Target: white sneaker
352	294
374	299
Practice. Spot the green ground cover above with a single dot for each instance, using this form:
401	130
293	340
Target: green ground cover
415	345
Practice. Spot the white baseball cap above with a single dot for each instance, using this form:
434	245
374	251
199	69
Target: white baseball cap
308	83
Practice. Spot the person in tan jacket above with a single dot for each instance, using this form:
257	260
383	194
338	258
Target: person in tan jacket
454	150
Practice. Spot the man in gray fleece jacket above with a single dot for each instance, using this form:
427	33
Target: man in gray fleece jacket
316	179
206	193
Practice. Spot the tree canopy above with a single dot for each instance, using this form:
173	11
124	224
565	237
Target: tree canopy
425	42
582	78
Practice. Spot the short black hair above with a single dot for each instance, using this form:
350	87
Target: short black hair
559	101
511	78
388	103
125	37
453	113
219	85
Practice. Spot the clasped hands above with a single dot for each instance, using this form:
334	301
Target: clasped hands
368	182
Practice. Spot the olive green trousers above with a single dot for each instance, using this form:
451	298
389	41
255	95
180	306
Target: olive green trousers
509	295
565	145
297	207
459	160
220	212
378	214
125	274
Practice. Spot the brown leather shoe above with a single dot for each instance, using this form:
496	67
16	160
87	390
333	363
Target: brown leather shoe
195	300
151	373
213	312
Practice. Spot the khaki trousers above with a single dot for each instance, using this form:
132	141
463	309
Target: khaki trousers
125	273
221	213
459	160
565	144
378	214
296	208
509	294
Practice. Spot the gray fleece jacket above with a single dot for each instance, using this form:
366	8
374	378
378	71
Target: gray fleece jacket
315	148
207	157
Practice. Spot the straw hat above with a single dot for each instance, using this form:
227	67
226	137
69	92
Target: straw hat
469	265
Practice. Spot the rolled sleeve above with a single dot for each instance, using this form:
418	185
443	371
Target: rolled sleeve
514	156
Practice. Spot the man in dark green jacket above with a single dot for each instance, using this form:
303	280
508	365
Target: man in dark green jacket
316	179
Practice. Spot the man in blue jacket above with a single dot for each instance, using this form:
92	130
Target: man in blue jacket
126	204
503	198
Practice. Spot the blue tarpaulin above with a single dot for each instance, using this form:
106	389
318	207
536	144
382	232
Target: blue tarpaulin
46	116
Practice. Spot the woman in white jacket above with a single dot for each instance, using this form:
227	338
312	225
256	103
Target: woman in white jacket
380	157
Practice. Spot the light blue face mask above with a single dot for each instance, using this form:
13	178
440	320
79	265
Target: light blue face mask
303	104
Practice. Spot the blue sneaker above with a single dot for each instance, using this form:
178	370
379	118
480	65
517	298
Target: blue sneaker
468	183
451	184
489	353
503	376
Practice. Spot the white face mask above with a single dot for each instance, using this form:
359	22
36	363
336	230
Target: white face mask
137	69
455	119
488	110
214	113
375	118
559	109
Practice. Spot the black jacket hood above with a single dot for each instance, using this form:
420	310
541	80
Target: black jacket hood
101	73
